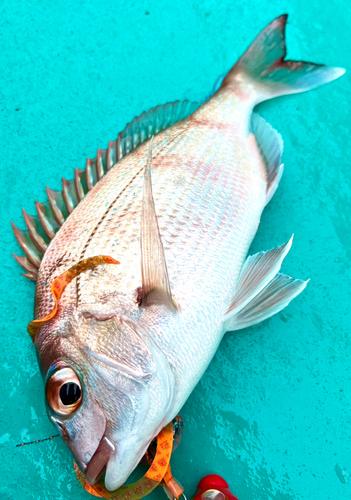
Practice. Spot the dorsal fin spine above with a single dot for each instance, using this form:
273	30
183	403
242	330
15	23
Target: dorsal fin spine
53	197
70	205
136	139
118	148
128	144
78	174
90	174
26	264
101	153
31	276
53	213
28	247
34	234
47	226
111	157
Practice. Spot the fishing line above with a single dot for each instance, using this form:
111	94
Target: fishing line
38	441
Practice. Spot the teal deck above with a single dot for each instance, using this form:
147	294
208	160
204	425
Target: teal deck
272	414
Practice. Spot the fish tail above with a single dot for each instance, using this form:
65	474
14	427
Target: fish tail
263	65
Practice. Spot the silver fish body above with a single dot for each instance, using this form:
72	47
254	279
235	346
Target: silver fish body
210	183
208	205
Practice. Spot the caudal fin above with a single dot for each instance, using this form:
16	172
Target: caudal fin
264	64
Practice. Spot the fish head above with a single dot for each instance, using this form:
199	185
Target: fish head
108	388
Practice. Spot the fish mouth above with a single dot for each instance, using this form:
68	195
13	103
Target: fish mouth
98	462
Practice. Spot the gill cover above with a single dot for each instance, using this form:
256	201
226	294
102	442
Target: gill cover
155	282
60	283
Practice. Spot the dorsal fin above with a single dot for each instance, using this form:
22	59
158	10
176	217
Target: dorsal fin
155	282
270	143
52	214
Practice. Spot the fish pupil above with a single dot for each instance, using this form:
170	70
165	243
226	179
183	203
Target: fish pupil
70	393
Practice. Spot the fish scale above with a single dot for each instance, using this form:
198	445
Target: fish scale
122	222
178	213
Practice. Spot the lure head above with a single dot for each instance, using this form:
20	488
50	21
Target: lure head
213	487
108	390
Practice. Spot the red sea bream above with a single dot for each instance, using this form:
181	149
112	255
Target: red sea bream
130	341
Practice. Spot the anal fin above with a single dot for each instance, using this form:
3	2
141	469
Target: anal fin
272	299
261	291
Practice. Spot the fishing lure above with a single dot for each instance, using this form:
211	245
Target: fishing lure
213	487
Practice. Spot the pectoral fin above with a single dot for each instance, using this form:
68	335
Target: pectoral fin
261	291
155	282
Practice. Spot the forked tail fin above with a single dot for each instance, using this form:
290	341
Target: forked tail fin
263	64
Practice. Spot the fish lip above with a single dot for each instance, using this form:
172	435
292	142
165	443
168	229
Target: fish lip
99	460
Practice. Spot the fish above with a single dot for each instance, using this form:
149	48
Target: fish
174	203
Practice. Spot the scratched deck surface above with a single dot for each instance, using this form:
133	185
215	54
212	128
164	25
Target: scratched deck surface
273	412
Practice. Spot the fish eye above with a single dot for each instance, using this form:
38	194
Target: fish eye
64	391
70	393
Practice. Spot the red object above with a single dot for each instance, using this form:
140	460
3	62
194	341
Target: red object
213	487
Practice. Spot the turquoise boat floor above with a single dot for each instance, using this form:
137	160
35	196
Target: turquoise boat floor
272	414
